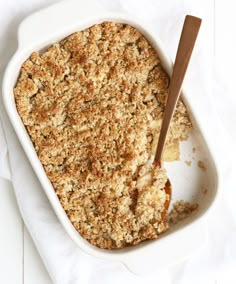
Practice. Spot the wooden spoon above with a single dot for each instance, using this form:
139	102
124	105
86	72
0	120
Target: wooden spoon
187	41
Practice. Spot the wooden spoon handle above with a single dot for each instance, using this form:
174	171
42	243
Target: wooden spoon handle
187	40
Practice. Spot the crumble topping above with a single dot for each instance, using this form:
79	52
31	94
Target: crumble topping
181	210
93	105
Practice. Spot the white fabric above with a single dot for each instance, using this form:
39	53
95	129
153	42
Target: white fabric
65	262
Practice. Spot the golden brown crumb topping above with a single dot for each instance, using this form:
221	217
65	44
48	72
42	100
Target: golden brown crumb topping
181	210
93	105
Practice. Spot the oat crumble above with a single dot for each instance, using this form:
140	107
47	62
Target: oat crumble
181	210
93	105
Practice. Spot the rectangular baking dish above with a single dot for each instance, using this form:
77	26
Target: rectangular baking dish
47	26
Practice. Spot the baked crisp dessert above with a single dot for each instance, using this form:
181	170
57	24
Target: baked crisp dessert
93	105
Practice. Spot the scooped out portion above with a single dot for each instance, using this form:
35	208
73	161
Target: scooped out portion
93	105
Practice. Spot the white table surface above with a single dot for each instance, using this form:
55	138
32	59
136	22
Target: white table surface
19	260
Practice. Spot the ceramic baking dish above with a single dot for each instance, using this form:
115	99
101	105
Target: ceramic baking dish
190	183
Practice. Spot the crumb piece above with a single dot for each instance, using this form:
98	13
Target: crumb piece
194	149
181	210
205	190
201	165
188	163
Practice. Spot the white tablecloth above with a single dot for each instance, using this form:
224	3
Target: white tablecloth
65	263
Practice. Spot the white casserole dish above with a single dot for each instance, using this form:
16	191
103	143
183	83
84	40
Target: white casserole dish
189	183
